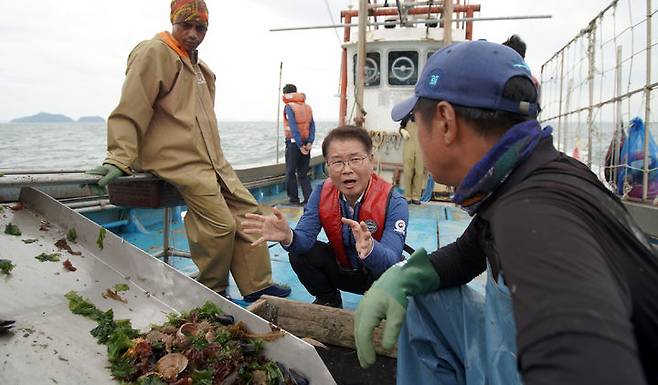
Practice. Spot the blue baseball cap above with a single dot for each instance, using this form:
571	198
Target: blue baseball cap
471	74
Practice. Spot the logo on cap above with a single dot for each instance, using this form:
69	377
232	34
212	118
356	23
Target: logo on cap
522	65
434	80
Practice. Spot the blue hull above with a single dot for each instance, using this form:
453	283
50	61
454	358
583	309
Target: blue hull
144	229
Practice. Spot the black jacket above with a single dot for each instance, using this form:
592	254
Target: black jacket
584	284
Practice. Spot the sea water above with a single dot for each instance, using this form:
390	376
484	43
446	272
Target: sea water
80	146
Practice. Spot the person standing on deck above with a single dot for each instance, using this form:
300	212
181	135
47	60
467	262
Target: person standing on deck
299	130
571	294
165	124
364	218
413	169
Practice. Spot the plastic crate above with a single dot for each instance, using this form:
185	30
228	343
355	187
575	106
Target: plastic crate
150	194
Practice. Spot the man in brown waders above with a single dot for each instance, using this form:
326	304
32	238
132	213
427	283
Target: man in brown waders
165	124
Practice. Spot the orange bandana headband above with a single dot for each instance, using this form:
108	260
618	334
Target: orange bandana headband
188	10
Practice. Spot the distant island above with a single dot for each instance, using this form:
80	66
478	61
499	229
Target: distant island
45	117
91	119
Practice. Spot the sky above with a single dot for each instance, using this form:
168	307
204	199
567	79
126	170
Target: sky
70	56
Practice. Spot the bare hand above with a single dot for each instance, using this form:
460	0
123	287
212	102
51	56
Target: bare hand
268	227
305	149
362	236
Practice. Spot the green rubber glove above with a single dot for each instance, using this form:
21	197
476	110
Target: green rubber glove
108	171
387	299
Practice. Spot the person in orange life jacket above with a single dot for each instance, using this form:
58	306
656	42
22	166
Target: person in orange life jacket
364	218
299	129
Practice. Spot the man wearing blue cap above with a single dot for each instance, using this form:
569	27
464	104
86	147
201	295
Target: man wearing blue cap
570	296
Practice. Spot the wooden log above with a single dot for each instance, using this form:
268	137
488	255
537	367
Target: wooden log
257	306
328	325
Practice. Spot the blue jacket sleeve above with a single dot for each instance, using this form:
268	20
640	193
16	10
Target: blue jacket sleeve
290	114
306	232
311	134
388	251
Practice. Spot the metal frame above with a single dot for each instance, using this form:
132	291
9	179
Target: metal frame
168	251
593	107
50	342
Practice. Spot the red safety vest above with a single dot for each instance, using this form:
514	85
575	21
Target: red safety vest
374	205
303	114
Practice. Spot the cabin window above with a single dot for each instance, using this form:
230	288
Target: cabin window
402	68
372	69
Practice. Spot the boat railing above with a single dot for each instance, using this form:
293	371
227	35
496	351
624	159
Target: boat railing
593	86
66	184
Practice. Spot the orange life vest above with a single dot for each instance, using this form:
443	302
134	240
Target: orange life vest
303	114
374	205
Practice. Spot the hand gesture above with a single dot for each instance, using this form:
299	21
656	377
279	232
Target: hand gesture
364	241
108	172
268	227
376	305
387	299
305	149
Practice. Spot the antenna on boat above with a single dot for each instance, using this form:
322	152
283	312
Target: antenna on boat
447	22
278	112
361	60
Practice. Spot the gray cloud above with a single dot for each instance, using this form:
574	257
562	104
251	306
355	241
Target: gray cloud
70	56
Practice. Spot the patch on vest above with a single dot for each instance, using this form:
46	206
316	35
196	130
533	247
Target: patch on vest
400	226
372	225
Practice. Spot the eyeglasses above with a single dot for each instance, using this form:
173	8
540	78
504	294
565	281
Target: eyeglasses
339	165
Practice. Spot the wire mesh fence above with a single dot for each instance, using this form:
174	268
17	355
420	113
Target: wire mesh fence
596	85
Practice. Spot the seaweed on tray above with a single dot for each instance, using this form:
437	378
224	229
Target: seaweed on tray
101	237
81	306
197	347
71	235
45	257
12	229
63	245
121	287
6	266
113	294
69	266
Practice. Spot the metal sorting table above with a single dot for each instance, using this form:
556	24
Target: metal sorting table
51	345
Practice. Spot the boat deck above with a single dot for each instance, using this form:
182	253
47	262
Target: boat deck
144	229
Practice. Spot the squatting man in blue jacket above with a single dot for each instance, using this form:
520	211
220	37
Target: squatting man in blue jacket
364	219
571	294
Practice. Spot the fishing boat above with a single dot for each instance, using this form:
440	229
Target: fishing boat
146	244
